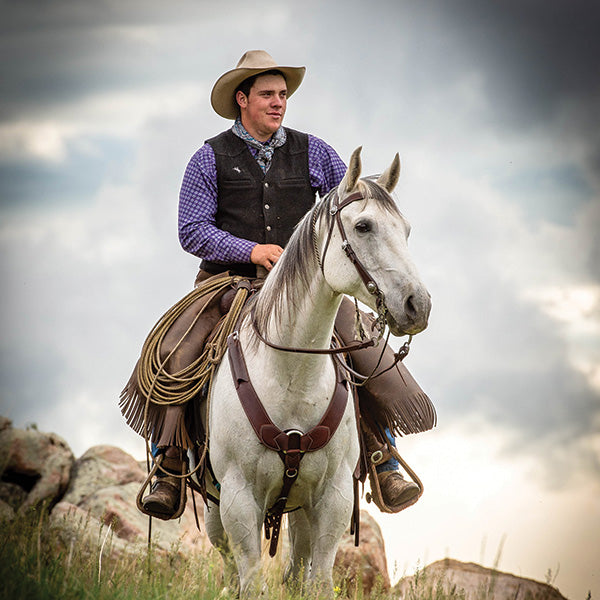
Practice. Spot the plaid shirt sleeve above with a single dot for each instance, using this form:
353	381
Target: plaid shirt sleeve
325	167
198	233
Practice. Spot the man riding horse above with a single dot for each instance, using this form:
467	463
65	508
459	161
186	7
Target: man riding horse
242	194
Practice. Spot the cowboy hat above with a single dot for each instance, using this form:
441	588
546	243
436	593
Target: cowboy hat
252	63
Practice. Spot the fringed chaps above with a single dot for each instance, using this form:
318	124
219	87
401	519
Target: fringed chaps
176	424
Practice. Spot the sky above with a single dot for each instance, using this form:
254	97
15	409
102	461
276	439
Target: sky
494	108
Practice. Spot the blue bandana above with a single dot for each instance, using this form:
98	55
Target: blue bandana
265	149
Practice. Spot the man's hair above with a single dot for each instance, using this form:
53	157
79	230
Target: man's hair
245	86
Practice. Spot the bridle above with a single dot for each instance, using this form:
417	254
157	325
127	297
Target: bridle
370	284
366	277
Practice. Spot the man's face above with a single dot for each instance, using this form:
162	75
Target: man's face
263	109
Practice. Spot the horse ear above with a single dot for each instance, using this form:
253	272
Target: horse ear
389	178
350	179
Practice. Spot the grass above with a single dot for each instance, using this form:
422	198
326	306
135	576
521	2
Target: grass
38	561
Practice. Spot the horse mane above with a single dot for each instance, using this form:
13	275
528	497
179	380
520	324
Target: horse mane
292	280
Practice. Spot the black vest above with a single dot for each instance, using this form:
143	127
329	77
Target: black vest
257	206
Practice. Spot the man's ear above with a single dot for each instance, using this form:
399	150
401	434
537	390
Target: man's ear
241	99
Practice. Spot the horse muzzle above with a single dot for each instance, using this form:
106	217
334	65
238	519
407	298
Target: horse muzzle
412	317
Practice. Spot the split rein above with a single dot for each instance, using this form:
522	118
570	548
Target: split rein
372	288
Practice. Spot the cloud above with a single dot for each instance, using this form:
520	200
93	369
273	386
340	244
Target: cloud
114	104
492	107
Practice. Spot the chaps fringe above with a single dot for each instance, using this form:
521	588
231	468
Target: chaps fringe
396	401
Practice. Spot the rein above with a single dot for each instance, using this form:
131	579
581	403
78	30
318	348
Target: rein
356	345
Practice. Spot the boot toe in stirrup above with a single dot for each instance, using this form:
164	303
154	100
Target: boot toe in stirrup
395	490
163	499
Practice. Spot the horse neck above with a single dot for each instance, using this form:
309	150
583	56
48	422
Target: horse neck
307	323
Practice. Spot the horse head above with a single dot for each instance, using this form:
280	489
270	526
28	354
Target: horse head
366	254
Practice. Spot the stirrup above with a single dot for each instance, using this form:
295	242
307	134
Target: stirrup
376	496
182	497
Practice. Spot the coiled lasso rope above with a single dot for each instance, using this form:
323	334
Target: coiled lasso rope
160	387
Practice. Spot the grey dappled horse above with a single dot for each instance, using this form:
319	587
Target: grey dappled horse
296	308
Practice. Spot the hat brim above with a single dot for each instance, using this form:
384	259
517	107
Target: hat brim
222	96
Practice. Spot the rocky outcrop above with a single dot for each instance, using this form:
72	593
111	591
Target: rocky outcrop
35	467
364	565
475	581
103	488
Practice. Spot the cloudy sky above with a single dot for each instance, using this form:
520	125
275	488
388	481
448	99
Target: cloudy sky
494	108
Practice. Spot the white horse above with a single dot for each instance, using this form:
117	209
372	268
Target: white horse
296	308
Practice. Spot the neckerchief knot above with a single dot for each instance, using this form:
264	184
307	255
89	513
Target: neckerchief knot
265	149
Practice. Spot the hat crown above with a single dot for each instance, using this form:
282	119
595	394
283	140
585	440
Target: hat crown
256	59
253	62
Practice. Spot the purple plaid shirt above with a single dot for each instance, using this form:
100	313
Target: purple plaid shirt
198	233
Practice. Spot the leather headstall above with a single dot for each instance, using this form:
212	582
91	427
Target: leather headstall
335	211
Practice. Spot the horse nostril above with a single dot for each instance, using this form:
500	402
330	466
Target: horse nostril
409	307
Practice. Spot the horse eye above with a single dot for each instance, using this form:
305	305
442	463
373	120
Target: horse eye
363	226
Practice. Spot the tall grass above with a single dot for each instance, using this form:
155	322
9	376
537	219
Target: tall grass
36	562
39	562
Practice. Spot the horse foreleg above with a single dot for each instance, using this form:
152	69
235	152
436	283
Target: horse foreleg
242	521
218	538
329	519
298	567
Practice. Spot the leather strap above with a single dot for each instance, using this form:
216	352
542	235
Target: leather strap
291	444
268	433
333	350
335	211
369	282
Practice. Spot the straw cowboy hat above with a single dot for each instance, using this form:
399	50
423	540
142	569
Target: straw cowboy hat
252	63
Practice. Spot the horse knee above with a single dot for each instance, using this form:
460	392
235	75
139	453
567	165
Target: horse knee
214	528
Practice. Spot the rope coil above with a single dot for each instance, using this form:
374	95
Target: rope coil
154	385
159	386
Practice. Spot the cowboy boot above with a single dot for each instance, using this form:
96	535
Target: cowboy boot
395	490
165	493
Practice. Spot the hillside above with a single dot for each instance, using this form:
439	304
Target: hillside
93	497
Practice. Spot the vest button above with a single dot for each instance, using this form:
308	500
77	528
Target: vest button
266	184
268	228
267	206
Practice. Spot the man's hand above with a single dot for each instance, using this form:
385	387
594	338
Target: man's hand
266	255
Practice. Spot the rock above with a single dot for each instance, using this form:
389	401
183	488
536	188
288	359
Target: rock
101	467
102	494
39	463
7	512
476	581
12	494
367	563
